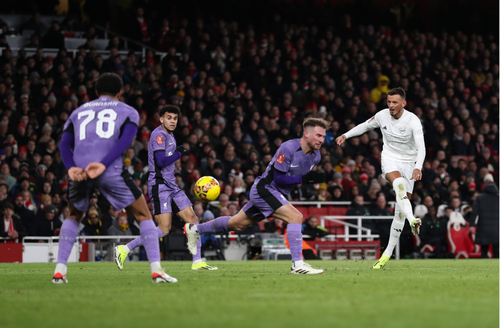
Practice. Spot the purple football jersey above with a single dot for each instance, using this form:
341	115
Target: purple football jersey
161	140
291	160
97	126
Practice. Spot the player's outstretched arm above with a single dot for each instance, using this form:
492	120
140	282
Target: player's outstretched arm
358	130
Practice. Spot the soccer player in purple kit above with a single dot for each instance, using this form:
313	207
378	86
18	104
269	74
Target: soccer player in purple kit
167	197
292	164
94	137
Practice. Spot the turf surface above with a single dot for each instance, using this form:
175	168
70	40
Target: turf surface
420	293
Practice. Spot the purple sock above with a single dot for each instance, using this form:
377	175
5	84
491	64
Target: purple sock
149	238
67	238
214	226
294	235
138	242
198	254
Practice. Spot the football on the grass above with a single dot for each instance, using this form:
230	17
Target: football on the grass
207	188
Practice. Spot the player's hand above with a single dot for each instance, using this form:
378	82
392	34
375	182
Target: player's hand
77	174
94	169
340	140
181	149
314	177
417	175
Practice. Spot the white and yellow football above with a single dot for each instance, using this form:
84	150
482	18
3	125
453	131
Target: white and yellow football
207	189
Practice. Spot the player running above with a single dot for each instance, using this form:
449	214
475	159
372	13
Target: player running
94	137
402	159
292	164
167	197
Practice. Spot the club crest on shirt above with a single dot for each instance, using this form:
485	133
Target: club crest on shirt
280	159
402	130
159	140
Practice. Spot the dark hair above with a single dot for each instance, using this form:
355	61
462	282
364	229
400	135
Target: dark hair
109	84
397	91
315	121
170	109
8	206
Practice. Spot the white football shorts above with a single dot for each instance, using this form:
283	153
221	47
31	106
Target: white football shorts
405	168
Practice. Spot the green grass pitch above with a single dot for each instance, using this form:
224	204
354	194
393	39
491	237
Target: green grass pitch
420	293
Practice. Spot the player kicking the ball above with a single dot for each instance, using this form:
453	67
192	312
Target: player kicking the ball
167	197
292	164
94	137
402	159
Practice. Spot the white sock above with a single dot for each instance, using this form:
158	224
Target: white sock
402	200
397	226
126	249
197	261
156	267
61	268
297	264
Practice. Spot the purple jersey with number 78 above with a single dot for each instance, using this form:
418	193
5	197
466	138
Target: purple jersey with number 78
97	126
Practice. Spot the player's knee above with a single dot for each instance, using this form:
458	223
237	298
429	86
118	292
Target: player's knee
165	229
238	224
296	218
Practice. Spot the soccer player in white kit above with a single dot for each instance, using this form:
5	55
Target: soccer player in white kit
403	155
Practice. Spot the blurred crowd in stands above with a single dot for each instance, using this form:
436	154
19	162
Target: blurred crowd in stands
242	92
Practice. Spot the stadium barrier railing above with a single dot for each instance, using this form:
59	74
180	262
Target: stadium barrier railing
359	236
53	52
317	204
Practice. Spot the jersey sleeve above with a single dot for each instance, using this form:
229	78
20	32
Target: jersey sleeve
68	126
133	117
418	136
157	141
370	124
170	146
284	159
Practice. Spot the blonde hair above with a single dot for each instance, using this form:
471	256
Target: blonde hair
316	121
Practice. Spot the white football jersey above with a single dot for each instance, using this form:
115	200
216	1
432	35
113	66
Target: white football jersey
398	134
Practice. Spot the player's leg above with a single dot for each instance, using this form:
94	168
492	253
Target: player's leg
187	215
294	218
401	186
164	222
397	226
222	224
121	191
79	195
149	238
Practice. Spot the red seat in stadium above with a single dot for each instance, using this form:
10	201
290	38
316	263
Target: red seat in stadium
322	211
338	211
